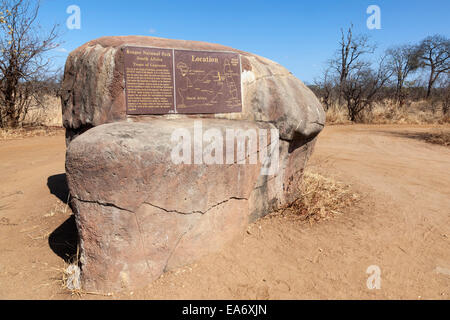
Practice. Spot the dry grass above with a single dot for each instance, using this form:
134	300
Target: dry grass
67	282
26	132
322	197
39	121
70	278
388	112
337	115
440	137
49	115
59	208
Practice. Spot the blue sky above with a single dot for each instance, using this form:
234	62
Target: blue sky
300	35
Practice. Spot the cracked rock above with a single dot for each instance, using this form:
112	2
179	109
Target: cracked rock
138	212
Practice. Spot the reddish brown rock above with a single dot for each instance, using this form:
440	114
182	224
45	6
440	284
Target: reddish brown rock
138	212
93	90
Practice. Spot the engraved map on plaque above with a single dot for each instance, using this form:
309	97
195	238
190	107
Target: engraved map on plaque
207	82
160	81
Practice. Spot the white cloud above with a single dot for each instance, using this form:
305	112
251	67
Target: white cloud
152	30
61	50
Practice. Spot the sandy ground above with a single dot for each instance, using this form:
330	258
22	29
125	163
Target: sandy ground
402	225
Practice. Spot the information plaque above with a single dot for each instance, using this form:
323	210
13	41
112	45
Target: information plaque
161	81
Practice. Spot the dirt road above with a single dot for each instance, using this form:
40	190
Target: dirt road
402	226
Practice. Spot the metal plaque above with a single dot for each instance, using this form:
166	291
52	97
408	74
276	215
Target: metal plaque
160	81
149	80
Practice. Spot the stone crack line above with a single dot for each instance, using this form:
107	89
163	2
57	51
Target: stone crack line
105	204
195	211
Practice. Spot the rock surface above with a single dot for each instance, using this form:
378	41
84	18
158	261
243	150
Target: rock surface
93	90
139	213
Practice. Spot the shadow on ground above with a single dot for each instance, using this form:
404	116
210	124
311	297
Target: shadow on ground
57	185
64	239
435	137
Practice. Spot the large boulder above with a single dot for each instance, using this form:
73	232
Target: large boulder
93	90
139	212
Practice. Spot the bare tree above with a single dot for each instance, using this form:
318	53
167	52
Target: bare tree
444	94
435	54
446	101
325	88
361	87
23	60
402	60
348	57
